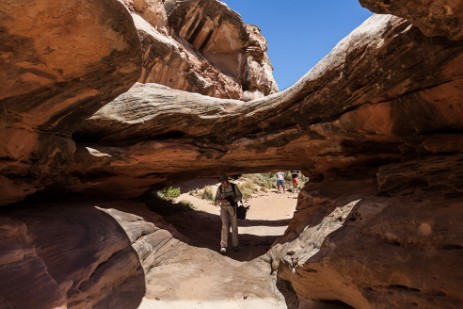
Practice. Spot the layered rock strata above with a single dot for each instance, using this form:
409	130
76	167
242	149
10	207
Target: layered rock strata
116	255
360	105
400	248
52	80
202	46
434	18
379	122
58	67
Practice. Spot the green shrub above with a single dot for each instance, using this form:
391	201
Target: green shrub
169	193
265	180
208	194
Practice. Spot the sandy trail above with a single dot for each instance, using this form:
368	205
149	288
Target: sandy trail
267	218
237	280
269	205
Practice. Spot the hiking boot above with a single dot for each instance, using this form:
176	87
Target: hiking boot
223	250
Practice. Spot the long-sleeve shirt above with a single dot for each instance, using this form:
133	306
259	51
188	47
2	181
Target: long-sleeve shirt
225	191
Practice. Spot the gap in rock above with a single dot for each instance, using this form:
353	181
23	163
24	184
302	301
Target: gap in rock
195	216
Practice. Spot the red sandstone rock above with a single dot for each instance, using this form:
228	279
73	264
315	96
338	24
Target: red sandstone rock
358	105
433	17
380	119
58	67
204	47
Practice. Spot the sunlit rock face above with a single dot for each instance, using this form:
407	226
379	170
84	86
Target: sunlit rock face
371	101
434	17
58	67
54	79
378	122
204	47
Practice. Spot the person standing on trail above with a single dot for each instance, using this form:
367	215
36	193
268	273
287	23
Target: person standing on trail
228	195
281	181
295	179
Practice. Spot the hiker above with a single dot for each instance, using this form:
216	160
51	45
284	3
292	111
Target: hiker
295	179
228	195
281	181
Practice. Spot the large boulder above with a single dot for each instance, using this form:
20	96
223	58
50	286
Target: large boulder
390	241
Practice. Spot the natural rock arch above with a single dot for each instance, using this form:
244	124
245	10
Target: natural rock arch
379	120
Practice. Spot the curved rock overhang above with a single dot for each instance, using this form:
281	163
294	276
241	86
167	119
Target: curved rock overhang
372	100
379	119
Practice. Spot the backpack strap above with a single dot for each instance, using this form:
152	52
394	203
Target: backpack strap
234	193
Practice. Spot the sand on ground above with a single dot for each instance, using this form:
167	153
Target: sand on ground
268	216
269	205
264	206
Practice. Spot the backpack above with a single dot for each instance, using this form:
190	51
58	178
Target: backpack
241	210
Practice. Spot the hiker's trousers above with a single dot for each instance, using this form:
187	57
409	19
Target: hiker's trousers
228	216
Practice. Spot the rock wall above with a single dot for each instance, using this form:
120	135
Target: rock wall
434	18
378	122
67	256
400	245
202	46
55	79
54	74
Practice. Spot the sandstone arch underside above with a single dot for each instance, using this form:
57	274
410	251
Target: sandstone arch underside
379	119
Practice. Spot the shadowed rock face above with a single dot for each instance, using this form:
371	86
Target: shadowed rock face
378	121
400	247
68	256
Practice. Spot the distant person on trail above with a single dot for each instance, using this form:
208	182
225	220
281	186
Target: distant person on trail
295	179
281	181
228	195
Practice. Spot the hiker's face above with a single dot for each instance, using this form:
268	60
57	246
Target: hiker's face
225	183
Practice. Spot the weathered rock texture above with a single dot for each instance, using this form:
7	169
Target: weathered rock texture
399	249
116	255
202	46
58	67
379	120
67	256
371	101
54	79
433	17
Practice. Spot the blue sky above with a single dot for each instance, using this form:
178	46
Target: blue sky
300	33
